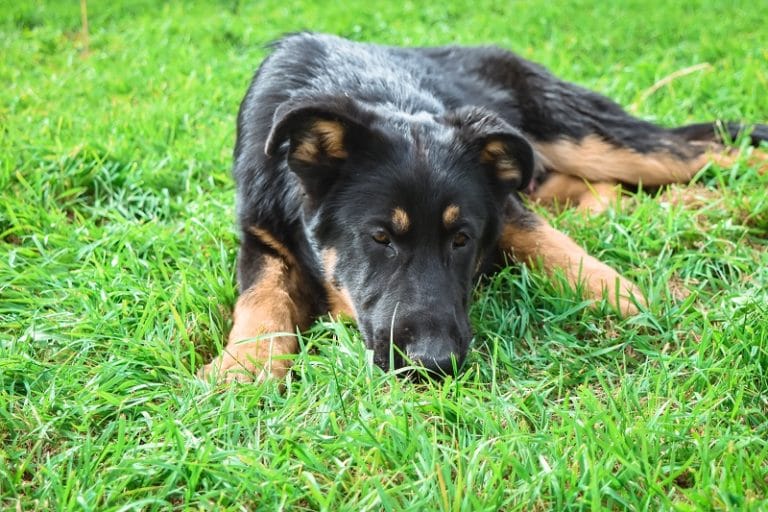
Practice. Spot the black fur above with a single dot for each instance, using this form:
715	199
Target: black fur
415	124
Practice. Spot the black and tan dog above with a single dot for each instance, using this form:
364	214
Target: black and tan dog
379	182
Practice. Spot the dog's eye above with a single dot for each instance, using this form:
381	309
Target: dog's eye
460	240
381	237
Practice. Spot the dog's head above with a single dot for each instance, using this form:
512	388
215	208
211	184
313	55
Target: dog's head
403	209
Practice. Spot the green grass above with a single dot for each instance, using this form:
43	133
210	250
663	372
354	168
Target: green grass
117	249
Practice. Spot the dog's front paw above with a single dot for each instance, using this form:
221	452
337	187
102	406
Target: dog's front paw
254	361
604	282
629	296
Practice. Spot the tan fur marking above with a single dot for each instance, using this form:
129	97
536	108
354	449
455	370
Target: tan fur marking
400	220
329	262
507	171
495	152
562	190
265	319
492	151
270	241
324	138
554	250
596	160
599	197
339	300
307	151
331	134
451	215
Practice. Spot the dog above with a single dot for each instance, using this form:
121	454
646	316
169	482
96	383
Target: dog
378	182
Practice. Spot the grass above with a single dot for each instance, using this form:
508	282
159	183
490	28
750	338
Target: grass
117	250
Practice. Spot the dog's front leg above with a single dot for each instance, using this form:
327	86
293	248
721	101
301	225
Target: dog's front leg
266	317
535	242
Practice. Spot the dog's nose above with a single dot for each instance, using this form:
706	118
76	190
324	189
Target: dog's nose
432	342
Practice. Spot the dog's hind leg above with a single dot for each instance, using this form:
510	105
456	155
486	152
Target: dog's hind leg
585	172
675	159
271	306
561	190
535	242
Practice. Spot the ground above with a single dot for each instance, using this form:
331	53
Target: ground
117	249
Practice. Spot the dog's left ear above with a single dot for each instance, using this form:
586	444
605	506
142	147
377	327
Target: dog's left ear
322	134
502	149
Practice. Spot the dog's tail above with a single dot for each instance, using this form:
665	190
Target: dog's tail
722	132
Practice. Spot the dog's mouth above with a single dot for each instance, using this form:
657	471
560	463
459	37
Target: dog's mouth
423	368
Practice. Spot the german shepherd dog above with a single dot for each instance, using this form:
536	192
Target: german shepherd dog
378	182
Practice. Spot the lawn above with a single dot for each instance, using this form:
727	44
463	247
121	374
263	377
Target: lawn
117	251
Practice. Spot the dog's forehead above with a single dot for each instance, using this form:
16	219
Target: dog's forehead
440	169
395	117
423	172
428	200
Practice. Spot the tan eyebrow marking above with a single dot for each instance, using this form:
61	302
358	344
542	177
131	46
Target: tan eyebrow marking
400	220
451	215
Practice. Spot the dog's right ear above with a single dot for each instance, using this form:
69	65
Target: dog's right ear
320	135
